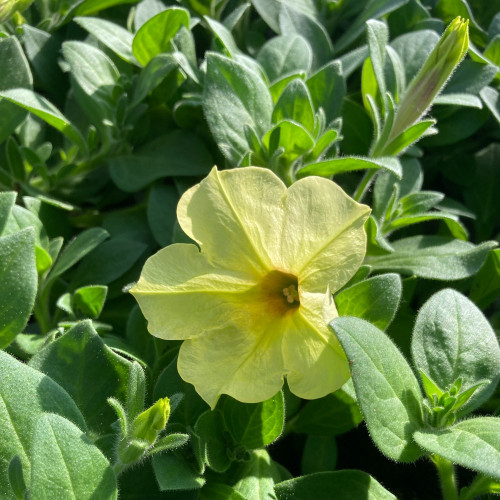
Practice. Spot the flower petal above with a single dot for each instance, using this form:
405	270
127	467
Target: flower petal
182	295
246	364
315	362
235	216
323	239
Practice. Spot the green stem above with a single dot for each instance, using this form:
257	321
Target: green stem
364	184
446	475
480	486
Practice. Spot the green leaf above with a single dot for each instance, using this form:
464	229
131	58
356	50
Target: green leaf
486	285
378	37
386	388
42	108
90	372
433	257
224	36
162	204
94	6
417	203
320	454
295	104
152	75
89	300
66	463
376	300
76	249
214	491
15	73
101	265
408	137
20	409
372	10
349	164
414	48
254	425
473	443
285	55
327	88
334	414
155	35
18	283
210	430
112	35
234	96
292	21
7	200
491	98
292	137
453	339
259	475
347	485
459	99
174	473
177	153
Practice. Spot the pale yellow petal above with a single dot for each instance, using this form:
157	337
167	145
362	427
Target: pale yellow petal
182	295
236	216
246	364
323	240
315	362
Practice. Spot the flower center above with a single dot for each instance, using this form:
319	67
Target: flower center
281	292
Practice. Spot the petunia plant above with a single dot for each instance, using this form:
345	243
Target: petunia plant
249	249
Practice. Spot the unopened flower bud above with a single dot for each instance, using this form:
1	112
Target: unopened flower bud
442	61
9	7
151	422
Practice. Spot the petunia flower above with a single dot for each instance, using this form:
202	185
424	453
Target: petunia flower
253	301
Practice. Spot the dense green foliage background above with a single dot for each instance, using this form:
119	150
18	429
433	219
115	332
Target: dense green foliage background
111	109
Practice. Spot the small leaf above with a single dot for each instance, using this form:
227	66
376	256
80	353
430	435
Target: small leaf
453	339
408	137
473	443
18	283
254	425
210	430
259	475
285	55
118	39
76	249
295	104
45	110
89	300
376	300
486	285
155	35
347	485
234	96
175	473
386	388
65	462
327	88
349	164
434	257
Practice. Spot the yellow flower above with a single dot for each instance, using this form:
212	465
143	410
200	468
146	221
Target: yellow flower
252	304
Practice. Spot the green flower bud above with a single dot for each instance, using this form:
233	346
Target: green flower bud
442	61
9	7
150	422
